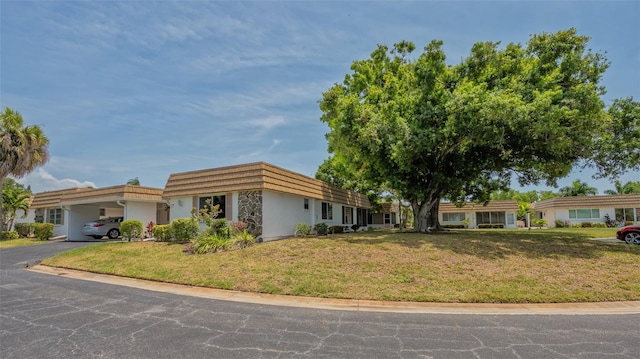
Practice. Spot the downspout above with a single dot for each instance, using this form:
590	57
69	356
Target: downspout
124	206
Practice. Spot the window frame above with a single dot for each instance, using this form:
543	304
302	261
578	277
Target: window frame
56	213
327	211
580	213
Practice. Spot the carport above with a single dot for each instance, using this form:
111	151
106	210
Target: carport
80	205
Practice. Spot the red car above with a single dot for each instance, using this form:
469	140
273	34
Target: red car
629	234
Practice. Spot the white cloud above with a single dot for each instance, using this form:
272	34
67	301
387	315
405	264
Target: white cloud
268	122
40	181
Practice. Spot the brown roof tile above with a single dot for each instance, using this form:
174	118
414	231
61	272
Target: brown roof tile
85	195
257	176
507	205
617	201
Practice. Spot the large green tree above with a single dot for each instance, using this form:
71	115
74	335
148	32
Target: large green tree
430	130
22	148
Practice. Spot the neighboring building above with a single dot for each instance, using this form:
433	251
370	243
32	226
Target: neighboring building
387	217
473	214
272	200
579	209
69	209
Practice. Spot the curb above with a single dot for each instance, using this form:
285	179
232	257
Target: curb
592	308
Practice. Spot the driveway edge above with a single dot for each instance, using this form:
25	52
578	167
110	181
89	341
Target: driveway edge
591	308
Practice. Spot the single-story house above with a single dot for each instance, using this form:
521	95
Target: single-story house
579	209
473	214
387	217
270	199
69	209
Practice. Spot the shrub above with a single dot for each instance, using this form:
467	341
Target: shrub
184	229
576	225
131	230
586	224
25	230
559	223
628	223
148	232
239	227
220	228
322	229
599	225
209	244
453	226
7	235
336	229
43	231
163	232
241	240
302	229
540	222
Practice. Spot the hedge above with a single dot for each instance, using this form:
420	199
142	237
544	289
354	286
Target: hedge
7	235
131	230
25	230
43	231
486	225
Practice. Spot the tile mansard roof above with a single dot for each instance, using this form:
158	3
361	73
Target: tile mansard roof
89	195
257	176
52	198
615	201
507	205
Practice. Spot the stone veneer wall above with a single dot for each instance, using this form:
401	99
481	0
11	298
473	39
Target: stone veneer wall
39	215
250	211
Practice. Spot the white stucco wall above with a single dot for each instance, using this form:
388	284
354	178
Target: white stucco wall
144	212
180	207
281	212
30	218
113	212
552	215
337	213
75	217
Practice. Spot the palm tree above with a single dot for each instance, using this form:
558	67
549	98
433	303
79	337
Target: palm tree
22	149
628	188
578	188
14	197
134	182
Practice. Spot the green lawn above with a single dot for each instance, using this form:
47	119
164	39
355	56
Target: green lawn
20	242
495	266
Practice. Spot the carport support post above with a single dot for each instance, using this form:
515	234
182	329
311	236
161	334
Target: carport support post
124	206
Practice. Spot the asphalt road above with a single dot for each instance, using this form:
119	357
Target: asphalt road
45	316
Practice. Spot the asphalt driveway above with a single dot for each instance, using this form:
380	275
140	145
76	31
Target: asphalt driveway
46	316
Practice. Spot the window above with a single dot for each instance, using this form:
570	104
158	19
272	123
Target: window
584	213
55	216
347	215
453	217
627	214
207	201
306	204
387	218
511	219
102	212
327	210
490	218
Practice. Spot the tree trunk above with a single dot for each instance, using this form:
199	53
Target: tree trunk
425	215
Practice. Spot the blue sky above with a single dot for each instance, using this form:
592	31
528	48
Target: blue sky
143	89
